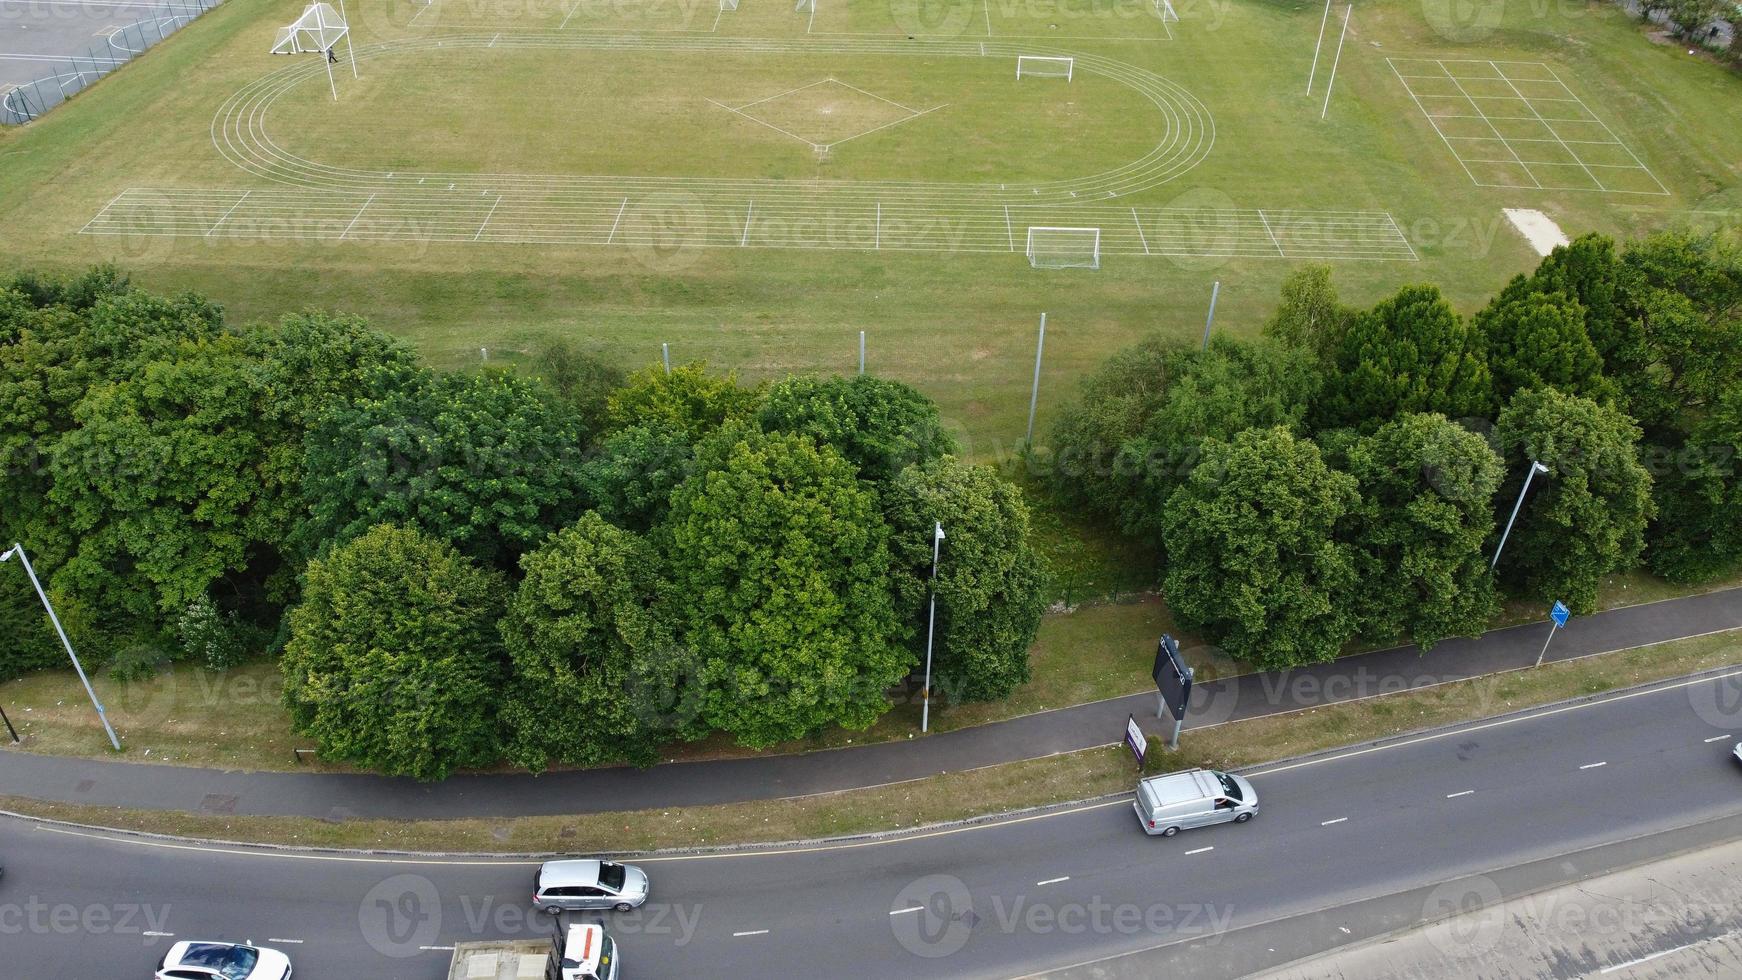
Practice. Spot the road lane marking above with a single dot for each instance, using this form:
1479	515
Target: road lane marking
753	932
434	949
1661	952
1327	823
1453	796
165	935
294	942
1717	738
1200	850
1594	765
916	908
1052	881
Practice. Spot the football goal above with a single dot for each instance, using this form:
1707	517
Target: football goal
1064	248
728	4
318	31
806	6
1042	66
1164	10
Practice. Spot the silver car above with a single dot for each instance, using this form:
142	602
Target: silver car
1179	801
569	885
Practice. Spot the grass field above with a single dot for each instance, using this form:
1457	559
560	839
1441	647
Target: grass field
687	136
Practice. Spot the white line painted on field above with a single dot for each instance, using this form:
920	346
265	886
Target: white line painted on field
1200	850
1453	796
359	214
753	932
1327	823
620	209
1594	765
1052	881
493	206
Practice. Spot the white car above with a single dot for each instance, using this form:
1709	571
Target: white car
222	961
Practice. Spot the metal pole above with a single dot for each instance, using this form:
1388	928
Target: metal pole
330	83
350	49
1215	290
1535	468
9	728
665	355
1552	630
18	549
1034	395
1174	744
937	541
861	352
1317	45
1332	82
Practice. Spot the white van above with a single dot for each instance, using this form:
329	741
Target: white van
1178	801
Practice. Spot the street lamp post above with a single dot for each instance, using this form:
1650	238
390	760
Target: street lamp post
930	627
1535	468
18	549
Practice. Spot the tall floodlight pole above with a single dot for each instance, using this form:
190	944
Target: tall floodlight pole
350	49
930	626
1326	19
1535	468
1215	290
1332	83
1034	393
18	549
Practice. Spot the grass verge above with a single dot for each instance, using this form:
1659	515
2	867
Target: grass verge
951	796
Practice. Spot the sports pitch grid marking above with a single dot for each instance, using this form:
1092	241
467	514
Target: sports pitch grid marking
316	201
1517	124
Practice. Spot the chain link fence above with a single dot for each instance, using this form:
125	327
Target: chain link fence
77	72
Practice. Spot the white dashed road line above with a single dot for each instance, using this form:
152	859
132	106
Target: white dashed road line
1200	850
916	908
1717	738
1327	823
753	932
293	942
1594	765
1453	796
165	935
1052	881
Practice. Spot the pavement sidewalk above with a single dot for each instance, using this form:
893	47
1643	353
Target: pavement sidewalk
343	796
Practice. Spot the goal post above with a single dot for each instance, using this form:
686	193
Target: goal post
806	6
1044	66
728	4
1064	248
1164	10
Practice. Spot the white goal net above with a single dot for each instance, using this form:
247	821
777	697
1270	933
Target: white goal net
1064	248
1164	10
806	6
728	4
1040	66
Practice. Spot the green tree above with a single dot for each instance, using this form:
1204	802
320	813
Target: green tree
1253	553
688	399
1114	405
1427	507
577	628
394	661
630	479
880	426
991	585
779	563
584	379
1589	271
1587	517
1411	353
1698	490
1540	340
1214	394
1683	295
488	462
1310	317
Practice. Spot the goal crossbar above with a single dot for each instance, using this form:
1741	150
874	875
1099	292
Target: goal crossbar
1045	66
1052	247
1164	9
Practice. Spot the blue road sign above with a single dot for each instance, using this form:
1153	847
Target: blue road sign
1560	615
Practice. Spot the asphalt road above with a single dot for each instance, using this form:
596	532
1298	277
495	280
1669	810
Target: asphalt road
143	785
999	899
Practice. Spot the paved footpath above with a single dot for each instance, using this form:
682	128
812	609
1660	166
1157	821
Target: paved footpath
341	795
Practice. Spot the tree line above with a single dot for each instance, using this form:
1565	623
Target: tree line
1347	475
557	565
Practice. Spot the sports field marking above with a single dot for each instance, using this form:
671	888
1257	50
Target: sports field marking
575	218
1550	106
817	147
